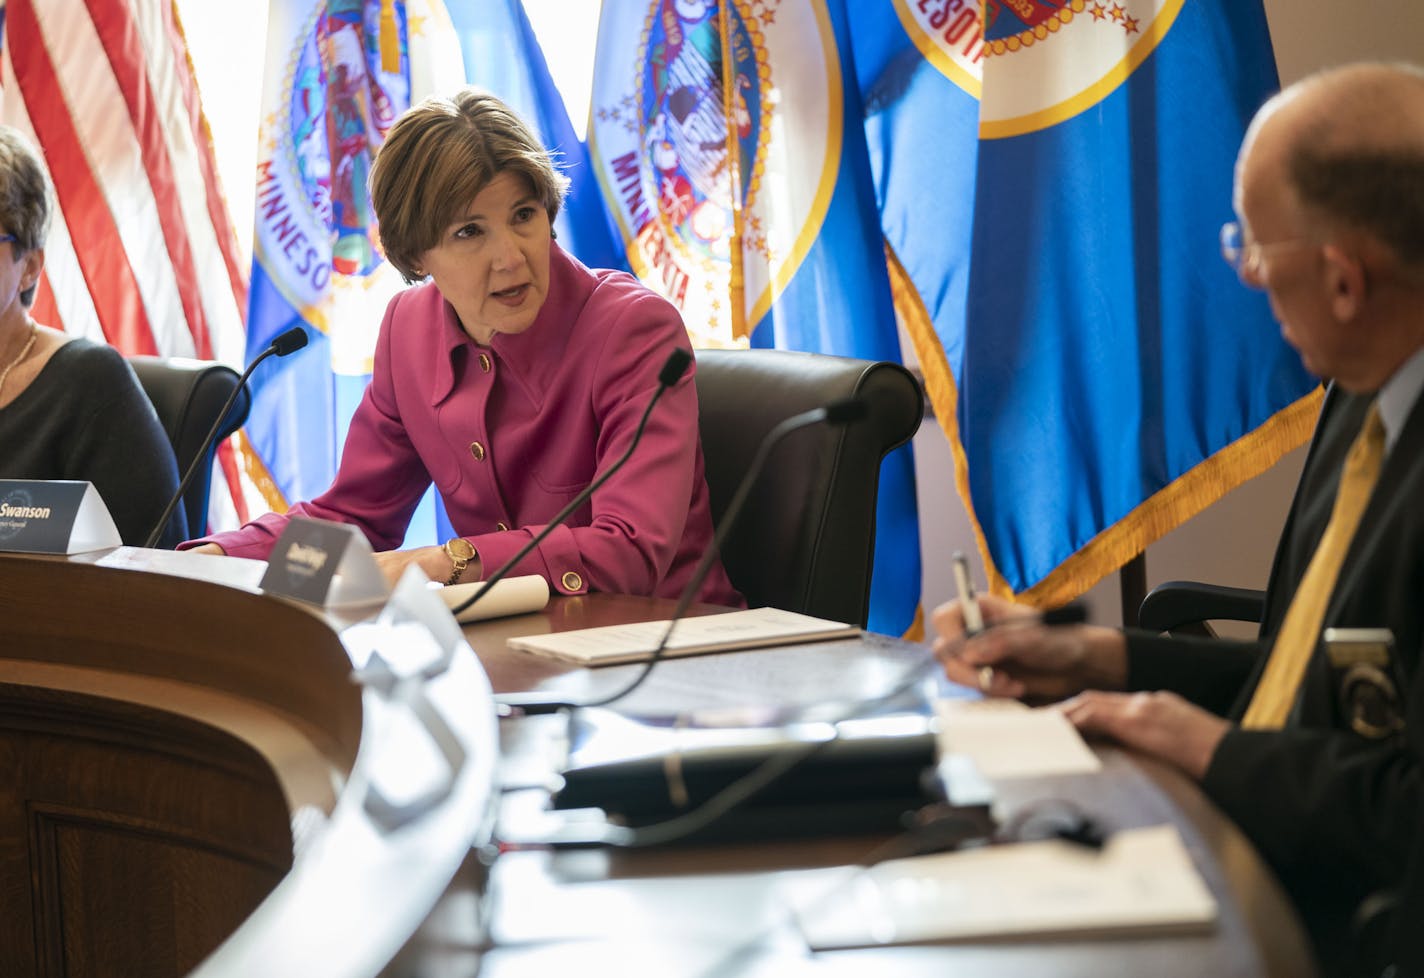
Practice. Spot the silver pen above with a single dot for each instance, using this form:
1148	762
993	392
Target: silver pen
969	607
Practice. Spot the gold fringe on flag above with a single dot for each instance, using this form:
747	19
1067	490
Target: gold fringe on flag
390	38
1178	501
916	631
944	398
260	477
1153	518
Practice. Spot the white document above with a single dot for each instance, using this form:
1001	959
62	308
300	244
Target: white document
511	596
1006	739
241	572
750	629
1142	879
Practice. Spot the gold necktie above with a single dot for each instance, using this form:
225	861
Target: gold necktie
1295	643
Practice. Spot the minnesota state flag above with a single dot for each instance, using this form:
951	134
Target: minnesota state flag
1053	175
729	144
339	73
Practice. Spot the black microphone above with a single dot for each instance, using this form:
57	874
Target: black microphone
288	342
841	412
673	369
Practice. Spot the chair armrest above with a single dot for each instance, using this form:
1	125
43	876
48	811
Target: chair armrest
1184	607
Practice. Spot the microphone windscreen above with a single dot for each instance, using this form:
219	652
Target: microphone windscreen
1070	614
847	410
675	366
290	342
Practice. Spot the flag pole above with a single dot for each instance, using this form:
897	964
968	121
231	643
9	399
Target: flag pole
737	285
1132	584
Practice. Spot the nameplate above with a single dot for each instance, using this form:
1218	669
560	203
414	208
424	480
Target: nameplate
54	517
323	563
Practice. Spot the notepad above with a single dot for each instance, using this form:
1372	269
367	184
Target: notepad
751	629
1006	739
1141	881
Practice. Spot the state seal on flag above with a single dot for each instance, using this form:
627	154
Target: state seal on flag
689	147
328	111
1067	54
703	120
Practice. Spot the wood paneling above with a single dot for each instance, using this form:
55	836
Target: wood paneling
132	841
163	728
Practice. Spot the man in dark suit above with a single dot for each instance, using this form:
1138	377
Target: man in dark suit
1316	751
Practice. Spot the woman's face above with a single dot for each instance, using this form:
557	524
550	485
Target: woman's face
492	262
17	273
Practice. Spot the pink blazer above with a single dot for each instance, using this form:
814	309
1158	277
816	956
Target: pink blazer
509	433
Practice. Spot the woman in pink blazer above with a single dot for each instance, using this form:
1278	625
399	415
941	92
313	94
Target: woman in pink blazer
511	378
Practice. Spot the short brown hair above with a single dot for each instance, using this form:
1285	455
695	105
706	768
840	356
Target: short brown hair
26	202
438	157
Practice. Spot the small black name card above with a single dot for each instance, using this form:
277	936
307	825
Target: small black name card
323	563
54	517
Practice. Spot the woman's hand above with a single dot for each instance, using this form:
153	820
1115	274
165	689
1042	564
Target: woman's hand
209	548
1160	724
434	561
1017	657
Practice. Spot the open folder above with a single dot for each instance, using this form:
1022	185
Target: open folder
754	628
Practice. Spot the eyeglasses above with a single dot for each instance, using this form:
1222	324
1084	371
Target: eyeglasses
8	237
1245	259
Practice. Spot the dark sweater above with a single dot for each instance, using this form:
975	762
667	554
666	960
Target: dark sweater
86	418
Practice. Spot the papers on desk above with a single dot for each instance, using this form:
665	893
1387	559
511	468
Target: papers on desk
1005	739
751	629
511	596
1142	880
219	568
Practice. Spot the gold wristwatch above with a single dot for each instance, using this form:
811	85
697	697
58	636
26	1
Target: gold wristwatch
461	552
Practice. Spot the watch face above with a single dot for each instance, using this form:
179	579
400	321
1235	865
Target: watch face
460	549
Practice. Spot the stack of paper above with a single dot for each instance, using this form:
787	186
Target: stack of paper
1142	880
1005	739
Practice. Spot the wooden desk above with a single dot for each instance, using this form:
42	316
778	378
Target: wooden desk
714	910
186	764
212	743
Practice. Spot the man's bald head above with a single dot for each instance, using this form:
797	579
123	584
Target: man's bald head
1350	143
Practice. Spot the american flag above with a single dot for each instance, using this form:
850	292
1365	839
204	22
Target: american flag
142	253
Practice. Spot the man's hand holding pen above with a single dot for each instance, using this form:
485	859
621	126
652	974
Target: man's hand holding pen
1015	655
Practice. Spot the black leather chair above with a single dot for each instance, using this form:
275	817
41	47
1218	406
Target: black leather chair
1187	607
188	394
805	541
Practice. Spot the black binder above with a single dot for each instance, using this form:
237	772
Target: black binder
866	780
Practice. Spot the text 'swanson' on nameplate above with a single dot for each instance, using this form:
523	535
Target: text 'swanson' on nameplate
54	517
324	563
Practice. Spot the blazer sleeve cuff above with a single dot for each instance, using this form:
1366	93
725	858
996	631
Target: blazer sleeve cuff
1209	672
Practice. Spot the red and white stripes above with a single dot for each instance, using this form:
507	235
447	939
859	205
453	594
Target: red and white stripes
142	253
